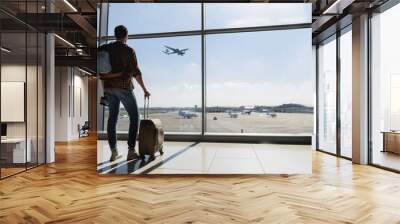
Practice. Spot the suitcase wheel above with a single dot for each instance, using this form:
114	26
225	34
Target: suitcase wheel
152	157
142	156
161	149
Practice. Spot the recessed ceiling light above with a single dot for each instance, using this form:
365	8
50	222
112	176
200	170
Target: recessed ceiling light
5	50
86	72
70	5
338	6
65	41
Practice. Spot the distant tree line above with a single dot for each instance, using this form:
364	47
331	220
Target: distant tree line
284	108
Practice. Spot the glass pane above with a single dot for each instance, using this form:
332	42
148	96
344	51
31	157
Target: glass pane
228	15
263	86
41	98
32	98
174	81
346	93
155	17
327	96
386	89
13	84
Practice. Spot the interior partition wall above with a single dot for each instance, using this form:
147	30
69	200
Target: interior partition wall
22	77
238	70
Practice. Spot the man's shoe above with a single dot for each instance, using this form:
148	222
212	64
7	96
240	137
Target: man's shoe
114	155
132	155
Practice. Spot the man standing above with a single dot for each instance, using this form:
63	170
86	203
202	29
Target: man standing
118	88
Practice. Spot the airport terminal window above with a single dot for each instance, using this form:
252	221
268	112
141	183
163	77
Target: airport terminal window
154	18
385	89
175	83
327	95
271	67
228	15
263	86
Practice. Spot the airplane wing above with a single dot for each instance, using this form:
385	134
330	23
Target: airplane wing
172	49
184	49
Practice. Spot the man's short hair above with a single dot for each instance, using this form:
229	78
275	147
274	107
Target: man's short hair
120	32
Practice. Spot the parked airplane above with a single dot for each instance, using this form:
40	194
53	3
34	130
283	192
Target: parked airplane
187	114
233	114
170	50
248	112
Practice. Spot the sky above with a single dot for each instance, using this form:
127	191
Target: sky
242	69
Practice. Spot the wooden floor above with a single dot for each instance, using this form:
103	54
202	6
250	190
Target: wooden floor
71	191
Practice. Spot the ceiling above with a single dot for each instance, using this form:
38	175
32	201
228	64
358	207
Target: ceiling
74	21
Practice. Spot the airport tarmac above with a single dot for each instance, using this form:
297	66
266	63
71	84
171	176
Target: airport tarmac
283	123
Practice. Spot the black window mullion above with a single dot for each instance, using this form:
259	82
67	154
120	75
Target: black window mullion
338	97
1	165
37	90
26	87
317	96
203	74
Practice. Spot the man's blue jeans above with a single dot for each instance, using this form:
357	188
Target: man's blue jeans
127	98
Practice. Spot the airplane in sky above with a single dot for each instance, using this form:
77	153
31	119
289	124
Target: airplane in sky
171	50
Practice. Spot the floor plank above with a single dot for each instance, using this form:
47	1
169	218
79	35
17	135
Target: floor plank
71	191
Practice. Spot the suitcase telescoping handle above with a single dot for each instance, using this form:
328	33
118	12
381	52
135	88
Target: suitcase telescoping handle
146	107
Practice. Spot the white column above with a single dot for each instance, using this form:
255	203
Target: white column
360	90
50	98
50	92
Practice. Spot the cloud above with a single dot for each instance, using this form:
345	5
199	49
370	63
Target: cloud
257	14
240	93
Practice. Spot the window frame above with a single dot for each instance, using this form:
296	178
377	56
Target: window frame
335	36
203	32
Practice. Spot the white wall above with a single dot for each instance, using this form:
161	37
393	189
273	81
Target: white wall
71	102
33	126
15	73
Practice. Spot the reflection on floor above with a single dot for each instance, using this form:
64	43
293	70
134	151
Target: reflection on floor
211	158
10	171
387	159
